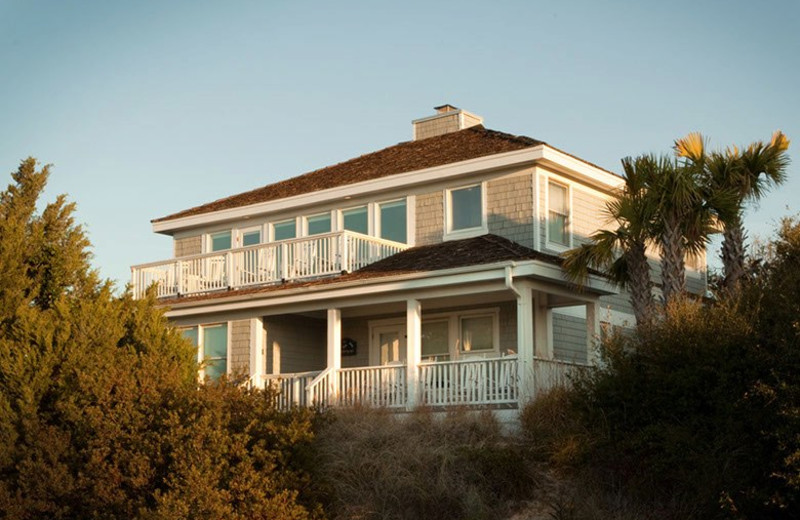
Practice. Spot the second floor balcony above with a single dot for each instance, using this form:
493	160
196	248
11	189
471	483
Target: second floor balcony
275	262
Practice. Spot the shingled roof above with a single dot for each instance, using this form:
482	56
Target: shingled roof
485	249
462	145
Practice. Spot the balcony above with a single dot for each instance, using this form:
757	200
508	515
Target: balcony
286	260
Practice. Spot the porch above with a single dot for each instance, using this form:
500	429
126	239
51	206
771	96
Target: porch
467	382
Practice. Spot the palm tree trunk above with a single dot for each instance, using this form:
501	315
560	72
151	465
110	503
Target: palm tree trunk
733	253
641	285
673	267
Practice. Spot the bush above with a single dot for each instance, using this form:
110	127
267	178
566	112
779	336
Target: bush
375	464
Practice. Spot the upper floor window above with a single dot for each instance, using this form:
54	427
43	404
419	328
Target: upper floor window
220	241
284	230
393	220
465	211
356	219
558	214
251	237
317	224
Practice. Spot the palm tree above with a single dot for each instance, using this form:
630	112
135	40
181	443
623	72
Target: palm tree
682	223
622	252
744	176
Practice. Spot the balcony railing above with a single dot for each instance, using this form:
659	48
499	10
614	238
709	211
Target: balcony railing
286	260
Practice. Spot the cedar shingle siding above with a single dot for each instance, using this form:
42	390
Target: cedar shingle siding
240	347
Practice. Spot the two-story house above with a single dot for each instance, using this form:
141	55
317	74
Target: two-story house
424	273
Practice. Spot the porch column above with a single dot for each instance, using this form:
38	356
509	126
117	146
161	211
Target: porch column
525	342
413	350
543	328
592	332
257	353
334	351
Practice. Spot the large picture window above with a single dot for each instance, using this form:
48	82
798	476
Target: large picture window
558	214
393	220
435	340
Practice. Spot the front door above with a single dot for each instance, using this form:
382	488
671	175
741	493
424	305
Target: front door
388	344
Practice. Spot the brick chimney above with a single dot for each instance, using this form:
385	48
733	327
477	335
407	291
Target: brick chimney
447	119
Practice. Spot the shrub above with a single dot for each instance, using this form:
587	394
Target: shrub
375	464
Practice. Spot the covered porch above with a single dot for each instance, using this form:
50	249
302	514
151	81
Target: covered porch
472	345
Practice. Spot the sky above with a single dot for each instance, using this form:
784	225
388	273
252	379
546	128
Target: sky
146	108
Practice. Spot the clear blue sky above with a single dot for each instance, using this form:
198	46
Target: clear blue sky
146	108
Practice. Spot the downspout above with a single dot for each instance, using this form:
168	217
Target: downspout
510	279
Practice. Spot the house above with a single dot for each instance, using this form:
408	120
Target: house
427	273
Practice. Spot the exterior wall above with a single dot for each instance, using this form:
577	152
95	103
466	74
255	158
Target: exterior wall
588	215
510	208
569	338
357	329
188	246
295	344
438	126
430	218
240	347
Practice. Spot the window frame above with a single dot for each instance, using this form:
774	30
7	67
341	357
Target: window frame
378	221
331	221
342	211
456	234
297	229
201	372
208	243
558	246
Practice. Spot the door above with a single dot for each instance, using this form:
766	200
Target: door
388	345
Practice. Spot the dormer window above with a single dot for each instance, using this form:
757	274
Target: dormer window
393	220
465	211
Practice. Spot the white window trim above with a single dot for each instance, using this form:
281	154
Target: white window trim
449	233
555	246
207	239
238	238
495	315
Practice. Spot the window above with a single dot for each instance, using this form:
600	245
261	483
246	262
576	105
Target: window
284	230
215	351
477	333
465	208
318	224
558	214
212	348
393	220
221	241
356	219
435	340
251	238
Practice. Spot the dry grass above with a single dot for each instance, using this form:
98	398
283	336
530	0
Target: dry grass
378	465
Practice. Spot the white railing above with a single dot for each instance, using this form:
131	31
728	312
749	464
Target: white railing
470	381
490	381
550	373
383	386
295	259
290	389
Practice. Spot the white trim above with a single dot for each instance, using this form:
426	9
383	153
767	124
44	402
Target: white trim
537	211
449	233
411	220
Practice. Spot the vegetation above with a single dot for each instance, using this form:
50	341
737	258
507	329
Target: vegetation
100	413
375	464
696	416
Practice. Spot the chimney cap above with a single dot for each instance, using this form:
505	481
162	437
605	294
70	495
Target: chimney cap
441	109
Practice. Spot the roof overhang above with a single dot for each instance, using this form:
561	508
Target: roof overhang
543	276
541	153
